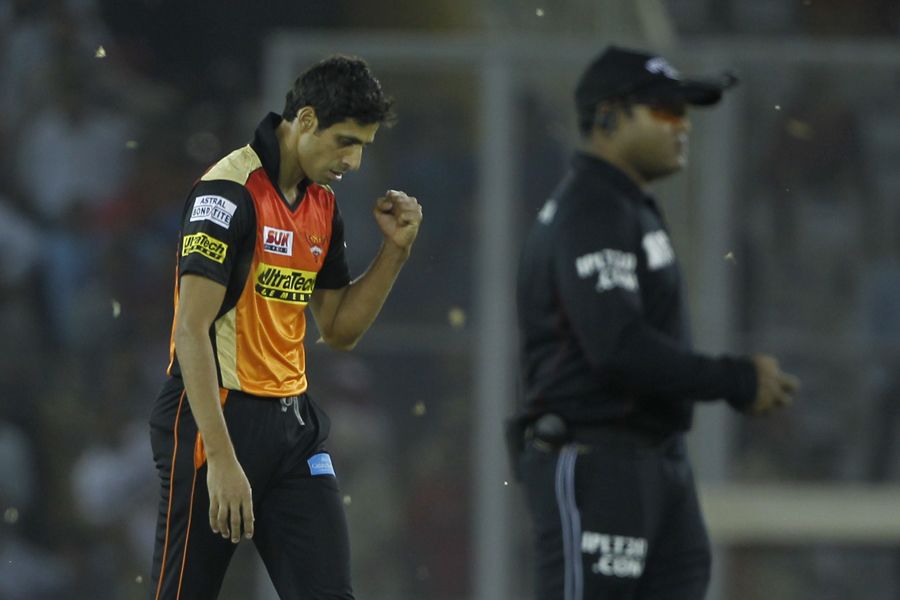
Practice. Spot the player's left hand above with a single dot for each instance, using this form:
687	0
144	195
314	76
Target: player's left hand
398	216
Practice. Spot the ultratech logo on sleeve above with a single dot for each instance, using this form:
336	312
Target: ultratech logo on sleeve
284	285
208	246
217	209
278	241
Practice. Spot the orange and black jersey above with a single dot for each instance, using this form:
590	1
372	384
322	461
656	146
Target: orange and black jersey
240	231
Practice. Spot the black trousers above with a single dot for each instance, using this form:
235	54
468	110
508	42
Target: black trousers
615	517
300	528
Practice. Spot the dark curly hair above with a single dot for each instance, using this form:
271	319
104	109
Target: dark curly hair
340	88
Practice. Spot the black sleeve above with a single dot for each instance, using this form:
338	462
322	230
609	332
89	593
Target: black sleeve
335	272
218	216
597	272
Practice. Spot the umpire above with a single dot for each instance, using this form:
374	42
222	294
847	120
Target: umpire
610	376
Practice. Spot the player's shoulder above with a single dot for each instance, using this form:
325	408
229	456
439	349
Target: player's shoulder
235	167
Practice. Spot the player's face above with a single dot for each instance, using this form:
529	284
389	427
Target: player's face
657	139
326	154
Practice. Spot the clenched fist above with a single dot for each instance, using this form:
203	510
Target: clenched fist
398	216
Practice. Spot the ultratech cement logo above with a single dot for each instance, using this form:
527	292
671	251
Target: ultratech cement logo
208	246
278	241
217	209
619	555
284	285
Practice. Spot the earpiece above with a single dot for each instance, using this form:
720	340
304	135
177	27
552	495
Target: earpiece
607	120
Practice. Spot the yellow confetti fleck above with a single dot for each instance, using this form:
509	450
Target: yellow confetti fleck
777	107
457	317
100	53
539	12
11	515
419	409
347	500
800	130
116	308
131	144
139	579
505	483
730	257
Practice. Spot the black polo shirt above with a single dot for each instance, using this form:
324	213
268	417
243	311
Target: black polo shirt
602	319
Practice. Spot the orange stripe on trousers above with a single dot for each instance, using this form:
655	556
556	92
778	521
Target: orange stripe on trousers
162	569
187	536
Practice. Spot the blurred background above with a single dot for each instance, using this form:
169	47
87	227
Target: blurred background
787	224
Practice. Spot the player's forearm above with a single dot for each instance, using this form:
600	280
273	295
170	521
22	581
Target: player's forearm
198	369
365	297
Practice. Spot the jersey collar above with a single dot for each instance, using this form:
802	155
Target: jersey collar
265	144
602	170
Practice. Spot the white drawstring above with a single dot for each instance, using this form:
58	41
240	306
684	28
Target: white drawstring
295	401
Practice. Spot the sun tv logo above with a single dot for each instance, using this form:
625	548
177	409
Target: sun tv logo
278	241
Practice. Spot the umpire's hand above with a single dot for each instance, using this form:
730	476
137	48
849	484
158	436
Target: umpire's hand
774	388
230	498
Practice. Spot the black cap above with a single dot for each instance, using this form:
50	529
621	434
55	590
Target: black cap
624	73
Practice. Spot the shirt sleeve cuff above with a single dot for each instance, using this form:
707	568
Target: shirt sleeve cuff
742	376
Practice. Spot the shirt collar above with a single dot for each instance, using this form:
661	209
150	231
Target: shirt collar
265	144
601	169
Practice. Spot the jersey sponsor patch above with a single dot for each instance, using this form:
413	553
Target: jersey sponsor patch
284	285
278	241
547	212
320	464
617	555
217	209
208	246
659	250
613	269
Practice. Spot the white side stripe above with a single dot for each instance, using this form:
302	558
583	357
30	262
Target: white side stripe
570	518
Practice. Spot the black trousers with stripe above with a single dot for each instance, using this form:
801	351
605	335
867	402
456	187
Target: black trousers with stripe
300	528
615	517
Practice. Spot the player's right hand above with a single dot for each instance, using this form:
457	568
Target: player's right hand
774	387
230	498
